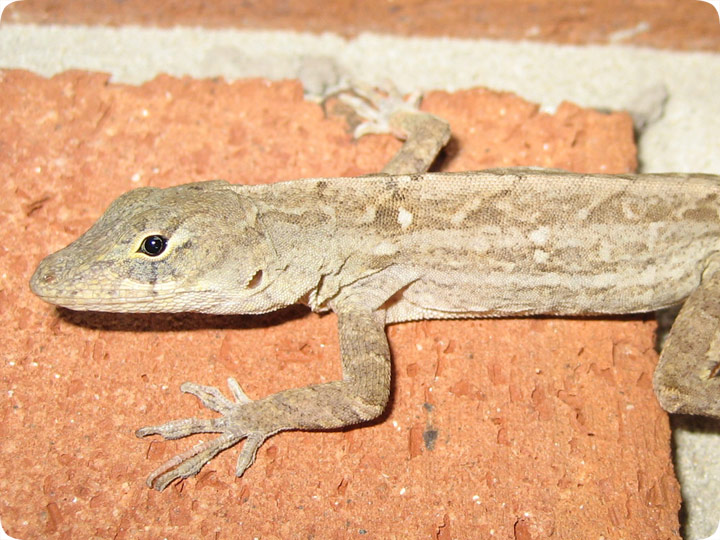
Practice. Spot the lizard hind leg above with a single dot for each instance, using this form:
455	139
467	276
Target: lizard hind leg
424	134
687	379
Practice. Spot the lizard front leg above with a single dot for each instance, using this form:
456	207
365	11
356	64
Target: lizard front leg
363	392
360	396
687	377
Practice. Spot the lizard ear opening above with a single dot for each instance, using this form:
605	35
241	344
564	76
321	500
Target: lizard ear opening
255	280
714	372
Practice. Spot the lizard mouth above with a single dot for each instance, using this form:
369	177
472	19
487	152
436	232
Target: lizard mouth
111	303
125	297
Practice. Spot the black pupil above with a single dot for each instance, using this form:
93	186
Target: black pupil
153	245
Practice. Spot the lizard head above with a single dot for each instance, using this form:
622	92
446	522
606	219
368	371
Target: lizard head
195	247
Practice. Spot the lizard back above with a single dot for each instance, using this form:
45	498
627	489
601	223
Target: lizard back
514	241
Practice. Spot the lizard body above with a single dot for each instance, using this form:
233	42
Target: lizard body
432	245
394	247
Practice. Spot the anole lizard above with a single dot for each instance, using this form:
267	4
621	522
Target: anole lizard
398	246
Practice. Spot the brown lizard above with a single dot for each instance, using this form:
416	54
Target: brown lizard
398	246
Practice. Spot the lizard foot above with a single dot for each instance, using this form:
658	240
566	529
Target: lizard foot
231	425
378	108
424	134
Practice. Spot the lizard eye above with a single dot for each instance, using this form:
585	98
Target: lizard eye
153	245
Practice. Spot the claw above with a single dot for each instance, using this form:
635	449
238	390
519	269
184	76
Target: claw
210	396
237	391
248	453
189	462
177	429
